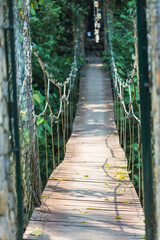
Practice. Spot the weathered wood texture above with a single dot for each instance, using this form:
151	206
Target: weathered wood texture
91	187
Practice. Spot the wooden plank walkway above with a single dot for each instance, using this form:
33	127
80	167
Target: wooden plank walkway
89	195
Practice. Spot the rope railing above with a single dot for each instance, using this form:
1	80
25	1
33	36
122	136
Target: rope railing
120	84
128	122
60	120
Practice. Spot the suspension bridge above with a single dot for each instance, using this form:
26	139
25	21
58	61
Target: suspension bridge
81	145
90	195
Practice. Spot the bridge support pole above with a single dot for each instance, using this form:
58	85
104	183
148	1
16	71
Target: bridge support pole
16	144
145	101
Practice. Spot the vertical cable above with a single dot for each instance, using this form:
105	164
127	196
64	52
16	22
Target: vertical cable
46	151
58	141
53	151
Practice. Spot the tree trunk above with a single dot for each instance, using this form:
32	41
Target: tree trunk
7	203
155	72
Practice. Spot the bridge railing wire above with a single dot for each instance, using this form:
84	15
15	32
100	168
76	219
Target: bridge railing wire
128	122
24	181
42	136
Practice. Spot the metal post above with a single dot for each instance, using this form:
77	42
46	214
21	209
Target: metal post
145	100
16	148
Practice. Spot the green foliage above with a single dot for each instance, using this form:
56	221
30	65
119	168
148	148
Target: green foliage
52	24
51	31
122	36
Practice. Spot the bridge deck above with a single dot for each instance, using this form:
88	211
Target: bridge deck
89	195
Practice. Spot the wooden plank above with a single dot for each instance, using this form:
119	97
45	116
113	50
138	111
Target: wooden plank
91	187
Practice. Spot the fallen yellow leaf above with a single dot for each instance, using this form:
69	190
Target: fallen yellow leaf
121	177
96	209
116	173
123	166
118	191
106	199
37	232
83	212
